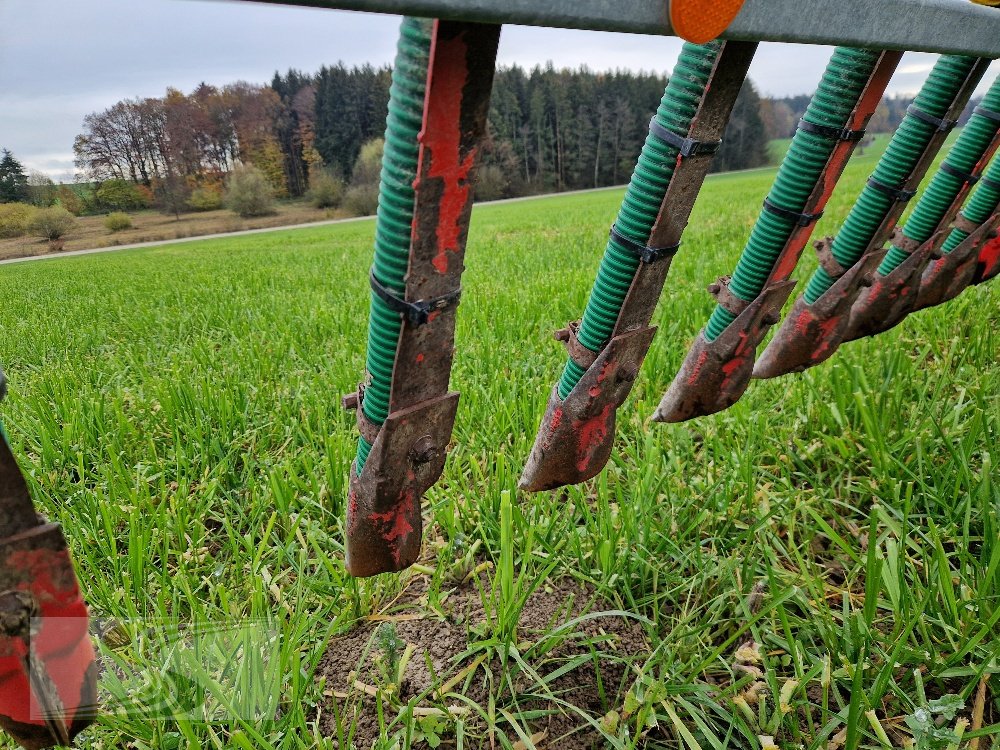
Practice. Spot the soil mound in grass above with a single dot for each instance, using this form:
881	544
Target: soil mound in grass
575	655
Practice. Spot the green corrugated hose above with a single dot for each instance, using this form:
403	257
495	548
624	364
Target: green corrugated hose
642	202
838	93
395	213
981	206
893	168
977	134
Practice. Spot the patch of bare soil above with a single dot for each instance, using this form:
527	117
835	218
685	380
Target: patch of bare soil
355	665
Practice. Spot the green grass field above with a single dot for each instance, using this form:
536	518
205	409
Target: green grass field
819	565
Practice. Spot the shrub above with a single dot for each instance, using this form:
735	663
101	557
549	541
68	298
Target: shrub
205	199
326	189
117	222
15	219
52	223
361	200
70	200
248	193
120	195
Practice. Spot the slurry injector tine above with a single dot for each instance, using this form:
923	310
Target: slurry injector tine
820	319
921	244
48	677
718	368
416	288
577	432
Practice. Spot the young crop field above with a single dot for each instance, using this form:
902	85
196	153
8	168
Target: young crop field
817	567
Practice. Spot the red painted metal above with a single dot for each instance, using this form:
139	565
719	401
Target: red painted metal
797	336
812	333
889	299
408	452
715	374
48	690
988	266
575	440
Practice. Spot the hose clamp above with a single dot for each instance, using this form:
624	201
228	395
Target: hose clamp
801	219
644	253
831	133
899	195
989	114
418	312
965	177
940	124
686	146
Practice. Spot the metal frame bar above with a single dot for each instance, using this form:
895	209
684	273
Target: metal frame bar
947	26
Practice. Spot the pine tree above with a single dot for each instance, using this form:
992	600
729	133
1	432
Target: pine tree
13	179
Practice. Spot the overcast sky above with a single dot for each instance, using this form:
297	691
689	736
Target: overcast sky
60	59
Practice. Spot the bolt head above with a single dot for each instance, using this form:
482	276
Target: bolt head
424	451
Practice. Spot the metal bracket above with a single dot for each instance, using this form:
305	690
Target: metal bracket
577	433
715	374
810	334
383	507
889	299
945	278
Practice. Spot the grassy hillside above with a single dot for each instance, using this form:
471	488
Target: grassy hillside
819	564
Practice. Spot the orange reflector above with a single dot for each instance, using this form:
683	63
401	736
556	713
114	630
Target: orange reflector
701	21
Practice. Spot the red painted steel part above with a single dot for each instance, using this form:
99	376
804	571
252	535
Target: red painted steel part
989	262
48	691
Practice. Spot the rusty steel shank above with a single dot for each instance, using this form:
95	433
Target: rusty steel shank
48	677
715	374
408	451
577	433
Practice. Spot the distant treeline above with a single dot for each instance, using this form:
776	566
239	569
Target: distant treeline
550	130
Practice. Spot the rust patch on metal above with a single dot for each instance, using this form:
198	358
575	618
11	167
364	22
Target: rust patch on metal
383	507
575	440
948	276
811	333
715	374
889	299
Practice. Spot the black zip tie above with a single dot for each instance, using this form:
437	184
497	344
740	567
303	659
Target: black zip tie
969	179
645	253
994	184
418	313
687	146
939	123
897	194
831	133
989	114
802	219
